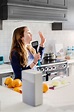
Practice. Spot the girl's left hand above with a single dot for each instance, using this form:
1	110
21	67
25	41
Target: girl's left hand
42	39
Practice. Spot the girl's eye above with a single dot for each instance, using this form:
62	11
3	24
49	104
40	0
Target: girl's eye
29	33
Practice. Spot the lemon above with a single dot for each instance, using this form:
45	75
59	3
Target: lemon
55	83
63	82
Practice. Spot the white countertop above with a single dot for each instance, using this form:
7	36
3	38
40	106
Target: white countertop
71	61
5	68
58	100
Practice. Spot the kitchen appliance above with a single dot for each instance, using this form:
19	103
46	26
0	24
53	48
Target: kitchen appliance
1	60
50	66
32	80
57	26
48	57
53	69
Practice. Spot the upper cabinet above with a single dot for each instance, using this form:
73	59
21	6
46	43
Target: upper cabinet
58	3
43	10
69	24
39	1
18	1
47	3
31	2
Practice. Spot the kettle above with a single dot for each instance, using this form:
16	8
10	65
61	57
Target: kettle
49	56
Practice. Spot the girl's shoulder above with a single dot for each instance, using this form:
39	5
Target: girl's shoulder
14	53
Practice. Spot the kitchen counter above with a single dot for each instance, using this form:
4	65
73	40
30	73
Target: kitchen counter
71	61
5	70
58	100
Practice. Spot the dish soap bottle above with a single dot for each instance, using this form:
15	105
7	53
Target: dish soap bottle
69	51
72	52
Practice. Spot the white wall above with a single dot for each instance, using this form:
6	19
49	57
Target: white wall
65	37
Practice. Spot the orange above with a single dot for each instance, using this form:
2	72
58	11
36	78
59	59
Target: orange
8	81
17	83
45	87
18	89
9	85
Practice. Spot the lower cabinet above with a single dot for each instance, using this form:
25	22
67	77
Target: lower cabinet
71	69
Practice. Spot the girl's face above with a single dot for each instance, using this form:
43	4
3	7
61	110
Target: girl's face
27	36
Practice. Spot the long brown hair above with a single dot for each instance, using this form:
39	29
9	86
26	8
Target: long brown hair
19	46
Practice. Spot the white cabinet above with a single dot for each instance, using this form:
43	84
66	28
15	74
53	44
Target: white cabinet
71	66
58	3
71	69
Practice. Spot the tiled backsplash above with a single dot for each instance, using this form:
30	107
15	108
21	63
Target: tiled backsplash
63	36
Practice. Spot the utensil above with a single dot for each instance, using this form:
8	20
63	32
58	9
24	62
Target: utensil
35	45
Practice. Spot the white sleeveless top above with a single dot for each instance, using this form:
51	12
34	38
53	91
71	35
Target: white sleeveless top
30	60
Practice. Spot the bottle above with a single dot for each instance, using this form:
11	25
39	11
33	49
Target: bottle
69	51
72	51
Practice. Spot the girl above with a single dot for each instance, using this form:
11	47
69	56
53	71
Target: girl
22	55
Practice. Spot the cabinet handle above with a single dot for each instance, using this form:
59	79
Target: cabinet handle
25	0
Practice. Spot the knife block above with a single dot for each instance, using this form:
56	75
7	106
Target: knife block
32	87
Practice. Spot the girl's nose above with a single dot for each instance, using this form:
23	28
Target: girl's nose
31	34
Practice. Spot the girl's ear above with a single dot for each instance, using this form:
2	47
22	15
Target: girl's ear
22	38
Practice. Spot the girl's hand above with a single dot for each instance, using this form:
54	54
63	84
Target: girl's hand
36	57
42	39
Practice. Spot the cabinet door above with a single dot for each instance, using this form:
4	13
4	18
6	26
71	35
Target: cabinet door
58	3
19	1
39	1
29	2
71	69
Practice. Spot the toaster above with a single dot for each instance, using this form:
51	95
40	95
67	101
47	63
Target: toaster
1	60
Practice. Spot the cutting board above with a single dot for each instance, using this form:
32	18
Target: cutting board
59	50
